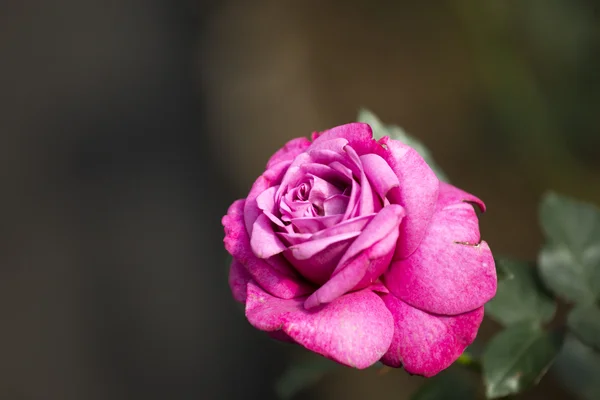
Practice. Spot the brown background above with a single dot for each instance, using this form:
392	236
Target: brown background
126	129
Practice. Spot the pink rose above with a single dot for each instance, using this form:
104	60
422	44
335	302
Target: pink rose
352	248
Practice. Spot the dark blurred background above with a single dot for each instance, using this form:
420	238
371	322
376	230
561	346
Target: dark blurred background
127	128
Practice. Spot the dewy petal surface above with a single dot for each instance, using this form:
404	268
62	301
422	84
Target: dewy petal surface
417	193
451	272
274	275
425	344
355	329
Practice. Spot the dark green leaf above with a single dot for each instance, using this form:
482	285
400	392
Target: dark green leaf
451	384
302	374
520	295
584	322
570	262
517	358
395	132
577	368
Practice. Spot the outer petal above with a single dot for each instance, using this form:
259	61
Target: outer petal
451	272
418	193
358	134
238	280
355	330
289	151
366	258
425	344
450	195
274	274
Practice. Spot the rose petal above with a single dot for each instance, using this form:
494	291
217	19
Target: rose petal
366	194
264	242
365	260
289	151
327	173
425	344
355	330
450	195
336	204
379	173
274	274
315	224
417	193
321	190
358	134
309	248
385	222
238	280
451	272
271	177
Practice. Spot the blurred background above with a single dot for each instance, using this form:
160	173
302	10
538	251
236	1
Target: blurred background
127	128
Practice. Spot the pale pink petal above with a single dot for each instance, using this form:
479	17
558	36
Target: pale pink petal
358	134
367	204
365	260
274	274
451	272
326	172
271	177
308	249
355	330
319	267
238	280
450	195
264	241
417	193
336	204
425	344
289	151
315	224
379	174
385	222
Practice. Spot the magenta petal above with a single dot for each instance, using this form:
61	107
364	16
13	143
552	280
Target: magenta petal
451	272
274	274
289	151
355	329
417	193
379	173
271	177
238	281
384	223
358	134
450	195
365	260
264	242
309	248
425	344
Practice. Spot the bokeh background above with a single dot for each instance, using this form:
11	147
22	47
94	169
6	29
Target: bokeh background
127	128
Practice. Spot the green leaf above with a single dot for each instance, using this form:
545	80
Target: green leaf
451	384
520	295
395	132
584	322
577	368
517	358
303	374
569	264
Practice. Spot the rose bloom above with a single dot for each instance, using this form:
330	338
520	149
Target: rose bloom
352	248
